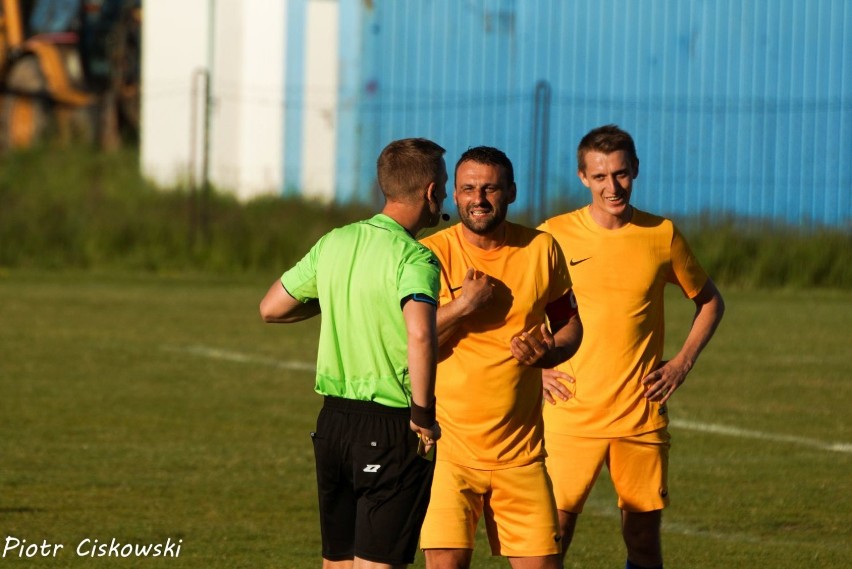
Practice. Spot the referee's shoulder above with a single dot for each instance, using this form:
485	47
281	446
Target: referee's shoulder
424	252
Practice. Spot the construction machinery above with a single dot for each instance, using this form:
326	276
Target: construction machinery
69	69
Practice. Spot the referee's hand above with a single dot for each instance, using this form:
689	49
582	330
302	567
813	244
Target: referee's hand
428	436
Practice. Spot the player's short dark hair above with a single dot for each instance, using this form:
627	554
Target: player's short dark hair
606	139
490	156
408	165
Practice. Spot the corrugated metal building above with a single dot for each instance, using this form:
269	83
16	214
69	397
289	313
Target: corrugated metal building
737	106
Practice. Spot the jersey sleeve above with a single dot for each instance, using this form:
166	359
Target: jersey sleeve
438	247
560	279
686	272
419	275
301	280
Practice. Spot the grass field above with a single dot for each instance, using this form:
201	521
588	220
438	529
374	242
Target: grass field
146	408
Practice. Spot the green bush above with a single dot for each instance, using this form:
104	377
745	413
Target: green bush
749	255
72	208
75	208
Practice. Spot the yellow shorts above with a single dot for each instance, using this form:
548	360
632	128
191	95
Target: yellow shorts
517	503
638	466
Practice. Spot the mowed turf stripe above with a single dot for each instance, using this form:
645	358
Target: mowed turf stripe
749	434
726	430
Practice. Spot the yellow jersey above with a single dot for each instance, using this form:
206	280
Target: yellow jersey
488	403
618	278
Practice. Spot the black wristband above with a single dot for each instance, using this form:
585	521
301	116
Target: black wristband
423	416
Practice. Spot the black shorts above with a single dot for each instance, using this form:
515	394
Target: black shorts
373	487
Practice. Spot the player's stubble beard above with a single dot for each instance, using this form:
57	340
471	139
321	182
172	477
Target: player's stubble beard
485	225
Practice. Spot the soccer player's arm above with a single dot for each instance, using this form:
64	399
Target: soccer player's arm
562	313
566	327
547	348
565	320
709	309
457	300
476	291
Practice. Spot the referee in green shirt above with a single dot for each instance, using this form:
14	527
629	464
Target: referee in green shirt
377	290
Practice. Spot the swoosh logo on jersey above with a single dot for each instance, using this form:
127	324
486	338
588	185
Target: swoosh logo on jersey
455	289
572	262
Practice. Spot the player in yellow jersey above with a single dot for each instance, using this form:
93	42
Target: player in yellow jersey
500	282
608	402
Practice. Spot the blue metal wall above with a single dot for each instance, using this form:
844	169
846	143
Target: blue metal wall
737	106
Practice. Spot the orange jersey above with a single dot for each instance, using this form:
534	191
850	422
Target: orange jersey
489	404
619	278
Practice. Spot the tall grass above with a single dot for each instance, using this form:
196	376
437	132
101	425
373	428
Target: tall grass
74	208
758	255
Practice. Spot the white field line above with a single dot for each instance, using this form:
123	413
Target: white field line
607	509
226	355
749	434
217	354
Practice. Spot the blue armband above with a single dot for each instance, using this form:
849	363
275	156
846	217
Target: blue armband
419	298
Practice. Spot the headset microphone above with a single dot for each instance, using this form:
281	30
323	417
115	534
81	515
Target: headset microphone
445	216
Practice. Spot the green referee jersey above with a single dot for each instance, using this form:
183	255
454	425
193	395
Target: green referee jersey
360	273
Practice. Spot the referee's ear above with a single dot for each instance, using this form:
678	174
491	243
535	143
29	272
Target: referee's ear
430	193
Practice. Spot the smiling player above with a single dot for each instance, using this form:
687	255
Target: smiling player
608	402
499	281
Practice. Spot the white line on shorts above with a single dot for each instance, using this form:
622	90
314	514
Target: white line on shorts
748	434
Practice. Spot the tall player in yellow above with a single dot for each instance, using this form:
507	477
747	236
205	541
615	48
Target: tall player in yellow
499	281
608	402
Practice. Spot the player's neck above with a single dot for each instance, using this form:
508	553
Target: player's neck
486	241
409	218
611	220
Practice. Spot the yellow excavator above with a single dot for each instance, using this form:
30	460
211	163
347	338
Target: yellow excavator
69	69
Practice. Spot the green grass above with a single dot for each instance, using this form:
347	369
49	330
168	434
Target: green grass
143	408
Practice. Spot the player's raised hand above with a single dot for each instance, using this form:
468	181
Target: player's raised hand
556	384
477	290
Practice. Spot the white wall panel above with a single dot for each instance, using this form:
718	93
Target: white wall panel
320	96
173	51
244	55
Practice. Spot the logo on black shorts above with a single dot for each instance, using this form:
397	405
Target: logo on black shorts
372	467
